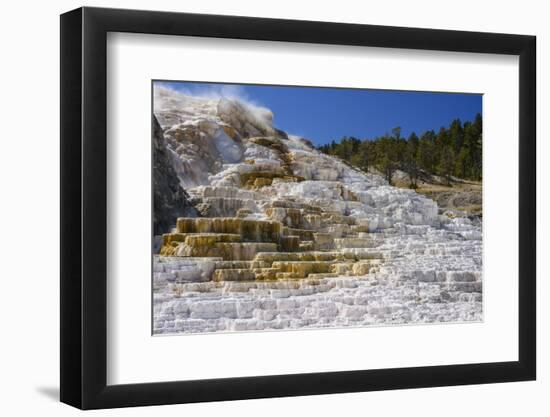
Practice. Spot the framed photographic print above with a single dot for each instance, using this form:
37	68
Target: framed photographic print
258	208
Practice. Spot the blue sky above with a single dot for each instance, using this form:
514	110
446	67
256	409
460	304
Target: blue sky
324	114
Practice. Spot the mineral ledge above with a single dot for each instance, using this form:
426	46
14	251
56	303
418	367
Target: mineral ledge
290	238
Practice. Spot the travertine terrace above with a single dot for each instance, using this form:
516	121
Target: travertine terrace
285	237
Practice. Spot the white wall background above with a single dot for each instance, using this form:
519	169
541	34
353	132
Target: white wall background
29	240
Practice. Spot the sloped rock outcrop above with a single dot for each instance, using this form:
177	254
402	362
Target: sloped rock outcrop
170	200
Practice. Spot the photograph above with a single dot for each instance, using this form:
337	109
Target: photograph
302	207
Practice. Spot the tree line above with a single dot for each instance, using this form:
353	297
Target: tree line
455	150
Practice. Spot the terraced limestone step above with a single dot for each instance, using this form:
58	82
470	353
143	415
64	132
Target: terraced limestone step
234	275
225	207
195	244
270	257
353	242
243	251
233	264
248	230
301	269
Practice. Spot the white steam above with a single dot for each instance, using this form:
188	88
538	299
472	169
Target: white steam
167	98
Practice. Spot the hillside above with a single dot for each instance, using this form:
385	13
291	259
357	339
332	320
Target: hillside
458	198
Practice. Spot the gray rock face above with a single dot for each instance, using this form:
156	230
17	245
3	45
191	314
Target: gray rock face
170	200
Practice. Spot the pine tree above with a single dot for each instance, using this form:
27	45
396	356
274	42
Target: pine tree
427	153
411	159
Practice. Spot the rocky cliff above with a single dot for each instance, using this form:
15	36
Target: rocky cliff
289	237
169	198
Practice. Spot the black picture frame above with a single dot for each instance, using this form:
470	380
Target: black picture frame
84	207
